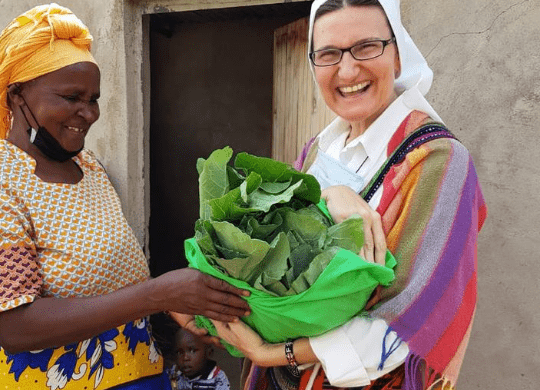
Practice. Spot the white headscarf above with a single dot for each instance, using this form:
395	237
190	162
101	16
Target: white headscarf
416	76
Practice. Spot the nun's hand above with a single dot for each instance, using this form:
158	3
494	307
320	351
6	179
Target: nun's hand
243	338
187	321
342	203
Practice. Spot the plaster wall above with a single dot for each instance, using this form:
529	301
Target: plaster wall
485	56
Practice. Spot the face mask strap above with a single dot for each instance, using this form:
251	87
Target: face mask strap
34	132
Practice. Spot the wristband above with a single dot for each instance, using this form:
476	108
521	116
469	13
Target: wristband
289	354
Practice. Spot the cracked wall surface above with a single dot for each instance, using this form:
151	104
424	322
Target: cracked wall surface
485	55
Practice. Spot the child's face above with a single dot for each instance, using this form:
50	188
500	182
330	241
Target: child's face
191	354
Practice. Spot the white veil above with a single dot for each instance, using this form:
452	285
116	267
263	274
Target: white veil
416	76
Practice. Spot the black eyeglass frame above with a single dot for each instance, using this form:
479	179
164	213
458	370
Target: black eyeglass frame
385	43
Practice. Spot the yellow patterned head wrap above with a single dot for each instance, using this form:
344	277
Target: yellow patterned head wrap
42	40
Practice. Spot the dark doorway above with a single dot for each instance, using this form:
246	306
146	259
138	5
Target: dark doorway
211	87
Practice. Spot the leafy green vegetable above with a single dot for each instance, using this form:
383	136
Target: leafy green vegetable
263	227
273	171
260	223
213	178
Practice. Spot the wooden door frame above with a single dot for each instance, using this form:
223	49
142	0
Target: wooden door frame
299	111
137	71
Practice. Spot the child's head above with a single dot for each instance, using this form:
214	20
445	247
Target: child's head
191	353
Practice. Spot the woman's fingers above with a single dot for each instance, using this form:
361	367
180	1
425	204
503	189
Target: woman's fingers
214	340
187	321
342	203
181	318
224	331
239	335
379	239
193	328
221	285
219	313
189	291
374	249
226	294
367	250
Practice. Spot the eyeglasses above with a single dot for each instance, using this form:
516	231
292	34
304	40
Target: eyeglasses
363	51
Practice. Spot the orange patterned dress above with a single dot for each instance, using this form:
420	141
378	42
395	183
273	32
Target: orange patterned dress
69	240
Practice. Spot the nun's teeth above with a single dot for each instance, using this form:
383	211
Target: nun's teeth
354	88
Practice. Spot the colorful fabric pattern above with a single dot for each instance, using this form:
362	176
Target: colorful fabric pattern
432	210
69	240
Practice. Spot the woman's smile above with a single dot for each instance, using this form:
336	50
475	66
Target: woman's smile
76	129
353	90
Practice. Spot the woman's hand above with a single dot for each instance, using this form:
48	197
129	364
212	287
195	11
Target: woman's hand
189	291
342	203
246	340
187	321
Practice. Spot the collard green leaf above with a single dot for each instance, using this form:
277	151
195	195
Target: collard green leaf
349	234
316	213
250	185
275	187
200	165
203	235
235	178
277	257
300	260
229	254
271	285
255	229
229	236
277	171
262	200
306	228
275	263
310	275
213	180
230	207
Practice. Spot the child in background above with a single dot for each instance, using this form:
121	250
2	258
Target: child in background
194	370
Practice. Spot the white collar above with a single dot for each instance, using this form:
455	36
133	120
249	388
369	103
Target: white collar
375	139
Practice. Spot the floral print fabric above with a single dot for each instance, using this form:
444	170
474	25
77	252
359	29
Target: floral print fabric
114	357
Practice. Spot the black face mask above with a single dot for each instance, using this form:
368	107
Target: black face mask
49	146
46	143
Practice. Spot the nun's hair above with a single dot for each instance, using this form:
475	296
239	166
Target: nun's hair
336	5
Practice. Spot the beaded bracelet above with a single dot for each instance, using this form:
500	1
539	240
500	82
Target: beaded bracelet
289	354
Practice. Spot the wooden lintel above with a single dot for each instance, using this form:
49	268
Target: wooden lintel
164	6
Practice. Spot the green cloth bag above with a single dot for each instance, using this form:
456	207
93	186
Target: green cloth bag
340	292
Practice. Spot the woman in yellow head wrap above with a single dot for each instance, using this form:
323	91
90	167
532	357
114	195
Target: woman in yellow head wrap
40	41
75	288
